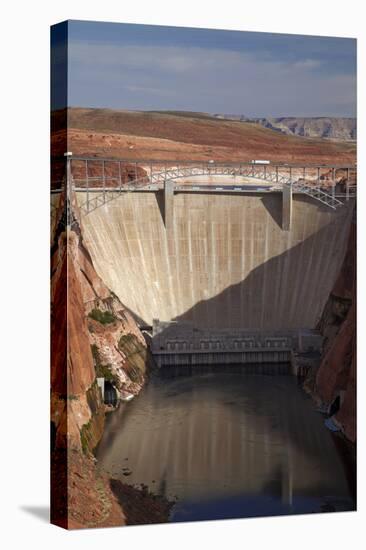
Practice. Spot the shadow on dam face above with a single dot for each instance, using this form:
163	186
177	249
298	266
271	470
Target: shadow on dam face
160	201
273	209
225	263
271	293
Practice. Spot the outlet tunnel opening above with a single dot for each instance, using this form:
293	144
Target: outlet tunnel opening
110	394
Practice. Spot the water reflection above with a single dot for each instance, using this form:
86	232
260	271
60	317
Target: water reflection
227	444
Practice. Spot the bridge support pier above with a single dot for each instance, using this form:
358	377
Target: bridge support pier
168	204
286	207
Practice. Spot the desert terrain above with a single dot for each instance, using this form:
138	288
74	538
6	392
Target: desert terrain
137	135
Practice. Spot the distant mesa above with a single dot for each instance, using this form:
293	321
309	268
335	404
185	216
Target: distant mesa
338	128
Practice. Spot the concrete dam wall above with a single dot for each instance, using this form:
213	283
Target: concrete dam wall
224	263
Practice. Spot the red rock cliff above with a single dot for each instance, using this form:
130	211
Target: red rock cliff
91	335
336	376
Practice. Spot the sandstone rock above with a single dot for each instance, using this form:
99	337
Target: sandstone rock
80	496
336	376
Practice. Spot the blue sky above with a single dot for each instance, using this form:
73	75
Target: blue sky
142	67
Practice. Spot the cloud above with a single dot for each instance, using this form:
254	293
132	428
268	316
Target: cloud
206	79
308	64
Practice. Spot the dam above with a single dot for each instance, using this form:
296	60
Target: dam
226	262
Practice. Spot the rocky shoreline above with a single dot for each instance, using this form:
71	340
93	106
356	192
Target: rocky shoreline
140	505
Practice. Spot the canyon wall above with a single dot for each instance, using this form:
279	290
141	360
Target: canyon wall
92	334
336	376
224	263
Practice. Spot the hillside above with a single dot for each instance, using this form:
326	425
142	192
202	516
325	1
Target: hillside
156	135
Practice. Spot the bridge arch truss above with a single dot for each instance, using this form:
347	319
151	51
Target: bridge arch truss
103	180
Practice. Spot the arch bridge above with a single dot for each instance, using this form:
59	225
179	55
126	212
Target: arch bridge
104	179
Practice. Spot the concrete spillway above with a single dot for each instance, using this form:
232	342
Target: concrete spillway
224	263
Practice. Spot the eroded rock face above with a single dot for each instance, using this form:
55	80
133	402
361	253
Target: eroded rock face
97	331
88	322
339	128
88	501
336	376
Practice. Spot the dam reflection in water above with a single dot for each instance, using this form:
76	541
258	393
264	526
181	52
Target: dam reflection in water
227	445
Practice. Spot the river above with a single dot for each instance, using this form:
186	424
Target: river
226	444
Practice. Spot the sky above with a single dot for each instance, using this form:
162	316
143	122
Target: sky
143	67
